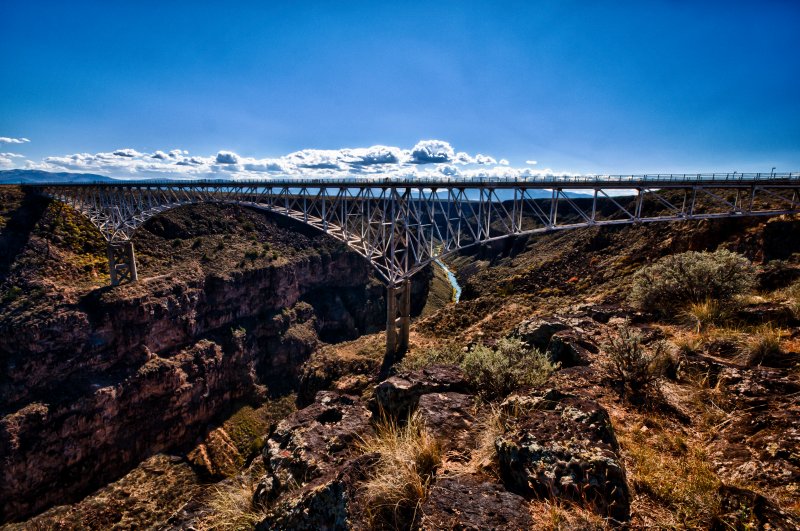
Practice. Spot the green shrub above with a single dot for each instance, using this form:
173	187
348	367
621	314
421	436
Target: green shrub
511	364
693	277
443	355
12	294
632	366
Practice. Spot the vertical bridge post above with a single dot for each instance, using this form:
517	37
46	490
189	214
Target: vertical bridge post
121	262
398	322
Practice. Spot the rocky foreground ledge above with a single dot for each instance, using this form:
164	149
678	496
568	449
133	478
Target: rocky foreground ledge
557	445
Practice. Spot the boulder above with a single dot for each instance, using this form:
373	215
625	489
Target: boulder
450	418
569	349
330	502
315	440
466	503
538	332
565	448
399	395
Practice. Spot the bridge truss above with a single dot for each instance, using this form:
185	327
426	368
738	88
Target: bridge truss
401	226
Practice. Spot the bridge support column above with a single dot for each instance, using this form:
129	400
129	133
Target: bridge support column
398	323
121	263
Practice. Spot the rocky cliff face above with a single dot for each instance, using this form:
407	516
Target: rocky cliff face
95	380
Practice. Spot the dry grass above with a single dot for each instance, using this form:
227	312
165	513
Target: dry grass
791	297
706	313
483	457
674	473
761	343
442	354
231	507
713	403
408	458
558	515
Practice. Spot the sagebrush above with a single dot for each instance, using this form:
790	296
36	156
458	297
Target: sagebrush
675	281
632	365
510	364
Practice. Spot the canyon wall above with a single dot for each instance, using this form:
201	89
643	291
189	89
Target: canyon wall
93	382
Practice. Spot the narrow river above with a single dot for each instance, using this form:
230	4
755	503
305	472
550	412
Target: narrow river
452	278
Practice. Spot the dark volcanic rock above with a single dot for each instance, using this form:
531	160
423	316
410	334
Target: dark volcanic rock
328	503
780	238
565	448
538	332
449	417
466	503
745	509
570	349
316	439
399	395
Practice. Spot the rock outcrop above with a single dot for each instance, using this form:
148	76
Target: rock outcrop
469	503
314	440
399	395
564	446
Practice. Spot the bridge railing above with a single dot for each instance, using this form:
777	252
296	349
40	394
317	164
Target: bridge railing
427	181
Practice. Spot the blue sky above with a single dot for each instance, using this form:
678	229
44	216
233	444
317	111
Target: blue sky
584	87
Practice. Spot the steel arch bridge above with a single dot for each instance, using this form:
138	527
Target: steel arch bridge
400	226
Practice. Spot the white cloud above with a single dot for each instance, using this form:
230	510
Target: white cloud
427	159
9	140
227	157
532	162
432	151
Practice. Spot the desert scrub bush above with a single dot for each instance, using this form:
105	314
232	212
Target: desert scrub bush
676	280
408	456
444	355
632	366
512	363
12	294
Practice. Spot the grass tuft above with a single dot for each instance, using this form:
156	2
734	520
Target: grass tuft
669	470
231	507
706	313
764	342
408	458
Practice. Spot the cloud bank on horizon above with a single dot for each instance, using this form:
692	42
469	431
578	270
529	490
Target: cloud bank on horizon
428	158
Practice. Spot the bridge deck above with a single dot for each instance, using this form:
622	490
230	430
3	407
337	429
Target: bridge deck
732	180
